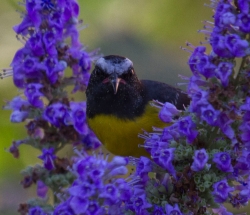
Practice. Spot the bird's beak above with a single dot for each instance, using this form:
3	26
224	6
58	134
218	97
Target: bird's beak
115	81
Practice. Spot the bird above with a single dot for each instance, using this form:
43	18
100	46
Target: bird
118	105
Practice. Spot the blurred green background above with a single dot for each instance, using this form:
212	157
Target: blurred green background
148	32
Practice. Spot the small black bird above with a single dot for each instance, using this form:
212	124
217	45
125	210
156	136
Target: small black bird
118	105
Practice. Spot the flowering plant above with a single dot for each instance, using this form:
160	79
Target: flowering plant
199	162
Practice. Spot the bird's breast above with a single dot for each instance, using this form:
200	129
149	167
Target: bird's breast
120	136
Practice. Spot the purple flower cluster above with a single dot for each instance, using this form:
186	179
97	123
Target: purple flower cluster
97	190
209	141
38	69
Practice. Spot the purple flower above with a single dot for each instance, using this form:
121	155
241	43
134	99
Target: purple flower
194	59
209	114
237	46
140	202
244	6
90	141
158	210
223	72
41	189
187	127
83	190
219	46
18	116
36	211
221	191
221	211
79	117
54	69
110	193
79	204
223	161
143	167
244	160
48	156
36	45
244	22
33	94
167	112
224	122
49	40
172	210
205	67
164	158
200	63
63	209
56	114
200	160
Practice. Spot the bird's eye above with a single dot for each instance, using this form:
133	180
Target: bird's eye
129	73
97	70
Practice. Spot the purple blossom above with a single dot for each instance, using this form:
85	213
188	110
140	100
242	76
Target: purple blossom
200	160
140	202
48	156
36	45
244	161
90	141
209	114
79	204
172	210
244	22
56	114
223	72
244	6
63	209
18	116
36	211
49	40
224	122
223	161
158	210
246	105
164	158
79	117
187	127
41	189
221	191
143	167
221	211
195	57
83	190
54	69
237	46
33	94
167	112
219	46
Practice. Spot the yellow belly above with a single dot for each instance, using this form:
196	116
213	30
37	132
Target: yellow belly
120	137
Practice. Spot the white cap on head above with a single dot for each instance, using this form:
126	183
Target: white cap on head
114	64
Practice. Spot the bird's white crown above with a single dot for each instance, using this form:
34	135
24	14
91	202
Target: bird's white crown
115	64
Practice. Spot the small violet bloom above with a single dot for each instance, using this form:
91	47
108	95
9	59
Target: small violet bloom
167	112
223	161
221	191
200	160
187	127
48	156
173	210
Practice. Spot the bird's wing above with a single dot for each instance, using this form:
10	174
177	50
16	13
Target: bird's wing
162	92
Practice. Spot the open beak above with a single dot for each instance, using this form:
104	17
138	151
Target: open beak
115	81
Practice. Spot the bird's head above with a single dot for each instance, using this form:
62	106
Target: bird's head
113	88
112	74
